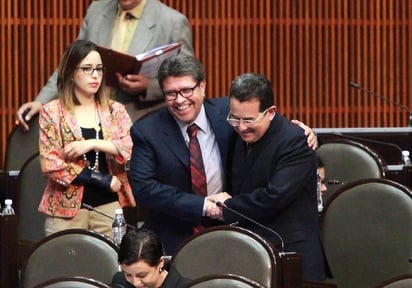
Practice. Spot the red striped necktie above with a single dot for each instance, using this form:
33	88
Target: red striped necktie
197	169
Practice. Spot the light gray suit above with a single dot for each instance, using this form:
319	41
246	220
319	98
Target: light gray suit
159	25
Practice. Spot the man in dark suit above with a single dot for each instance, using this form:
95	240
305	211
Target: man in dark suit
150	24
160	172
273	175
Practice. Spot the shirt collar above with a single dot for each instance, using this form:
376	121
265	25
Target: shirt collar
136	12
200	121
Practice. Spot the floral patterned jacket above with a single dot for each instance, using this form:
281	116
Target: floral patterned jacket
58	127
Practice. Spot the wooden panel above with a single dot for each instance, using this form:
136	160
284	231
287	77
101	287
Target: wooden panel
309	49
33	34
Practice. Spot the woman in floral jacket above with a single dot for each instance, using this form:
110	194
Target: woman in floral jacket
84	145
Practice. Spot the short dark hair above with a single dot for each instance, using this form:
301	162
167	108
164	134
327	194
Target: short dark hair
251	85
181	65
138	245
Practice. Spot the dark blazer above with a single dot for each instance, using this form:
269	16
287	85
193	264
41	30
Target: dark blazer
160	172
173	280
276	185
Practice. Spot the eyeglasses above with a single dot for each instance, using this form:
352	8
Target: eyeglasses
248	122
185	92
89	70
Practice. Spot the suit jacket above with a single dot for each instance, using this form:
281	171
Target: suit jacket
276	185
58	127
160	171
159	25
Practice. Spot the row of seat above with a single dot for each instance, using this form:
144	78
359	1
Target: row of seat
225	250
356	214
367	232
229	250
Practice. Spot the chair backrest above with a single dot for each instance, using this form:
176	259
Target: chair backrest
30	224
30	185
367	232
224	280
228	250
73	252
401	281
72	282
22	145
347	161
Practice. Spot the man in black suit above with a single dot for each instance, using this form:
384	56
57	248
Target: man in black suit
273	174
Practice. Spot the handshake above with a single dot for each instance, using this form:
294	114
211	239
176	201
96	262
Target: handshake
215	204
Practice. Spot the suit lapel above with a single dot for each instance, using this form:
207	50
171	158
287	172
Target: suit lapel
172	138
144	29
106	24
217	120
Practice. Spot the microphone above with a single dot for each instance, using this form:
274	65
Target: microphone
91	208
396	104
223	205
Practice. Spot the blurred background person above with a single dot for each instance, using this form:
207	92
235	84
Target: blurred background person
147	24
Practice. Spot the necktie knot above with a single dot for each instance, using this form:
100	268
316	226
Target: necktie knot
192	130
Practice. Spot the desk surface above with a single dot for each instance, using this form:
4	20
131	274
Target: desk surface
365	130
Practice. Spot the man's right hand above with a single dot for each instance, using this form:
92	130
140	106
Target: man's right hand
32	109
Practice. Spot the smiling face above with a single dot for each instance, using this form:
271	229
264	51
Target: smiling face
250	110
87	83
186	109
140	274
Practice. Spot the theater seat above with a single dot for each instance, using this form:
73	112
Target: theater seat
22	145
367	232
228	250
224	280
347	161
401	281
72	282
72	252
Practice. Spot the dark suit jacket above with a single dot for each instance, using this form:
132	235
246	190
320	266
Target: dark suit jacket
173	280
160	172
159	25
276	186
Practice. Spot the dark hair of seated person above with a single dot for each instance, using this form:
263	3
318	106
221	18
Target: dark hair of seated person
141	257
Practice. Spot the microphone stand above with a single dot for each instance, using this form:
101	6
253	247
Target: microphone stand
223	205
91	208
387	100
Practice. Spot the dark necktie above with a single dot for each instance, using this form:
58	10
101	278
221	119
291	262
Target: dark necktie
197	170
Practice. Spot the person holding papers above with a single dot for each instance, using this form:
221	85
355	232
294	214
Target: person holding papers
132	27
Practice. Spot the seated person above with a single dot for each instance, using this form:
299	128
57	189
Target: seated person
142	261
321	183
322	175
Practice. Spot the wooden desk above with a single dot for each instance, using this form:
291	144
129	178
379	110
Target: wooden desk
8	232
8	252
